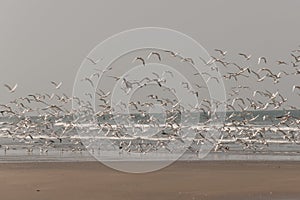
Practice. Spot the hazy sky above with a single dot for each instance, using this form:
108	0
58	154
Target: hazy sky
47	40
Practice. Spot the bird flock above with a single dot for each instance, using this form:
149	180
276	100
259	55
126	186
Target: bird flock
258	115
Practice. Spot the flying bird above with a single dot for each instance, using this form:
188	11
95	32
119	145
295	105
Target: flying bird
262	59
57	85
223	53
88	80
190	60
93	61
115	77
141	59
297	58
168	72
247	57
154	53
295	87
11	89
279	62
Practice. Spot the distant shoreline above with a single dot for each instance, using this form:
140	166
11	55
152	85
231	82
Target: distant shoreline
206	180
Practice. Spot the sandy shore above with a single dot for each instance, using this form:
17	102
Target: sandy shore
182	180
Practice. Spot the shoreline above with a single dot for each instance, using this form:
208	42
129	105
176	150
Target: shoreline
210	180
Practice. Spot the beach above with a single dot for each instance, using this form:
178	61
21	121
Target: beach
182	180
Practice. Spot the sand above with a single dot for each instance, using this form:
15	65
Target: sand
182	180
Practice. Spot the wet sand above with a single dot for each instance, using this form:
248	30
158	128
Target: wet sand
182	180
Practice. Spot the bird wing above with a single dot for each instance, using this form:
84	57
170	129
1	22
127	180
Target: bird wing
8	87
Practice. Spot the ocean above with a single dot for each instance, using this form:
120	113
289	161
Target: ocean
270	135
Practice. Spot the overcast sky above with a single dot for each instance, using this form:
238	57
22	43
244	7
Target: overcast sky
42	41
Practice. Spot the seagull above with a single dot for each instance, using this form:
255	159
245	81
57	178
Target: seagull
212	77
294	64
95	74
168	72
262	59
93	61
223	53
211	61
155	74
89	80
174	54
141	59
190	60
245	56
279	62
185	85
266	69
200	86
295	87
195	93
154	53
11	89
115	77
297	58
57	85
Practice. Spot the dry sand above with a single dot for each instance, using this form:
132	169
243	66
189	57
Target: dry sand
182	180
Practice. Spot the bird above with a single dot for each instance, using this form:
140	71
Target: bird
195	93
258	115
174	54
115	77
95	62
297	58
212	77
279	62
185	85
223	53
154	53
95	74
262	59
190	60
211	61
140	59
57	85
295	87
89	80
247	57
11	89
168	72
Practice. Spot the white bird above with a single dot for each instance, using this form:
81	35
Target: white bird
168	72
185	85
88	80
279	62
190	60
141	59
212	77
11	89
223	53
154	53
245	56
295	87
262	59
93	61
115	77
57	85
297	58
